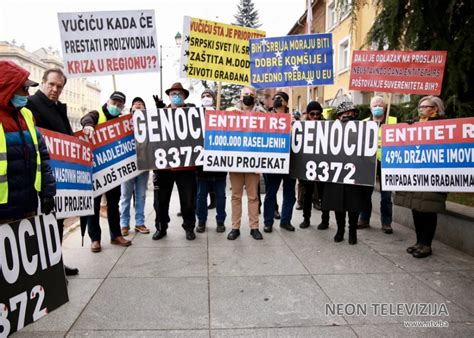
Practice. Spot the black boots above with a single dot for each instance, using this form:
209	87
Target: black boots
339	237
201	227
353	235
305	224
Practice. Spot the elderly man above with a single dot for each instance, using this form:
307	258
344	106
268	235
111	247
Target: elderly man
251	181
185	179
50	113
378	111
273	181
110	110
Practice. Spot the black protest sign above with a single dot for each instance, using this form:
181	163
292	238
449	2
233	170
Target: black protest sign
331	151
169	138
32	281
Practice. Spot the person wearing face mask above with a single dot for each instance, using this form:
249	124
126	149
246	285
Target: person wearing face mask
273	181
110	110
424	206
378	114
208	98
135	187
250	181
185	179
314	112
344	198
51	114
25	173
212	182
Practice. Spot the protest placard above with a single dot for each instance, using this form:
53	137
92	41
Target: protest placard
407	72
216	51
169	138
32	281
115	157
108	42
291	61
247	142
331	151
71	161
429	156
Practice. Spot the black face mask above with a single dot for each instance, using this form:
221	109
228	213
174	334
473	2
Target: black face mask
248	100
347	118
277	103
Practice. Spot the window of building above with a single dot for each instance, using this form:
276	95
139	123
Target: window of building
345	9
344	55
331	15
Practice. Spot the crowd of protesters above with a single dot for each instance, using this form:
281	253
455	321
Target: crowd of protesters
26	177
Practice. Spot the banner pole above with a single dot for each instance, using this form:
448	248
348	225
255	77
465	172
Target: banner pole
389	105
113	82
219	89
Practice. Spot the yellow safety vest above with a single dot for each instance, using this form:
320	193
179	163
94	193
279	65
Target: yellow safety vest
391	120
102	117
28	116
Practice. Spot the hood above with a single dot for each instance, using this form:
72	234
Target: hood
12	77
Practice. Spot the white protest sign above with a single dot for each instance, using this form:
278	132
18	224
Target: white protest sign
112	42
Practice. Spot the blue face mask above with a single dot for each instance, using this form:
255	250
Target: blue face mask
177	100
113	110
377	111
19	101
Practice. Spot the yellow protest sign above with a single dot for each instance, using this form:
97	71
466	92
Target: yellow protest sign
216	51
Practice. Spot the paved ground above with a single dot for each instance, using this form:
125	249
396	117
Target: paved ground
277	287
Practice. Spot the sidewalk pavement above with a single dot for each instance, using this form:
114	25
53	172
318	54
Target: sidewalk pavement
278	287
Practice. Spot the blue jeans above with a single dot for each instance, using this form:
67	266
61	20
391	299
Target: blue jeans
203	186
289	198
385	209
139	185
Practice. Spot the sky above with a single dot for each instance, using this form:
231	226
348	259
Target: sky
34	23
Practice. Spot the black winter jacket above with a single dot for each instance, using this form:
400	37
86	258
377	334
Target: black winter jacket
49	115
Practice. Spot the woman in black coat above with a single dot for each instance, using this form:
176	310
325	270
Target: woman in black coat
344	198
424	206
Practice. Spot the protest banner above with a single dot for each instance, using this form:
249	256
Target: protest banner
331	151
216	51
71	161
108	42
291	61
247	142
419	72
169	138
115	157
32	281
429	156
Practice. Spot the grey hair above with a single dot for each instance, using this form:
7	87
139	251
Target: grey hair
436	101
377	98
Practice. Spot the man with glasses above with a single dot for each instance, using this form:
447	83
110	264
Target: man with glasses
251	181
273	181
51	114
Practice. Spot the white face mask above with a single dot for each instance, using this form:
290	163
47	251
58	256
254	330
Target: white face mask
207	102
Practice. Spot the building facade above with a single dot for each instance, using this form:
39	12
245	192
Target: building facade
79	94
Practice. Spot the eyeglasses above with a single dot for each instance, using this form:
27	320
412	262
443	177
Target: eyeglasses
424	107
25	88
312	113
